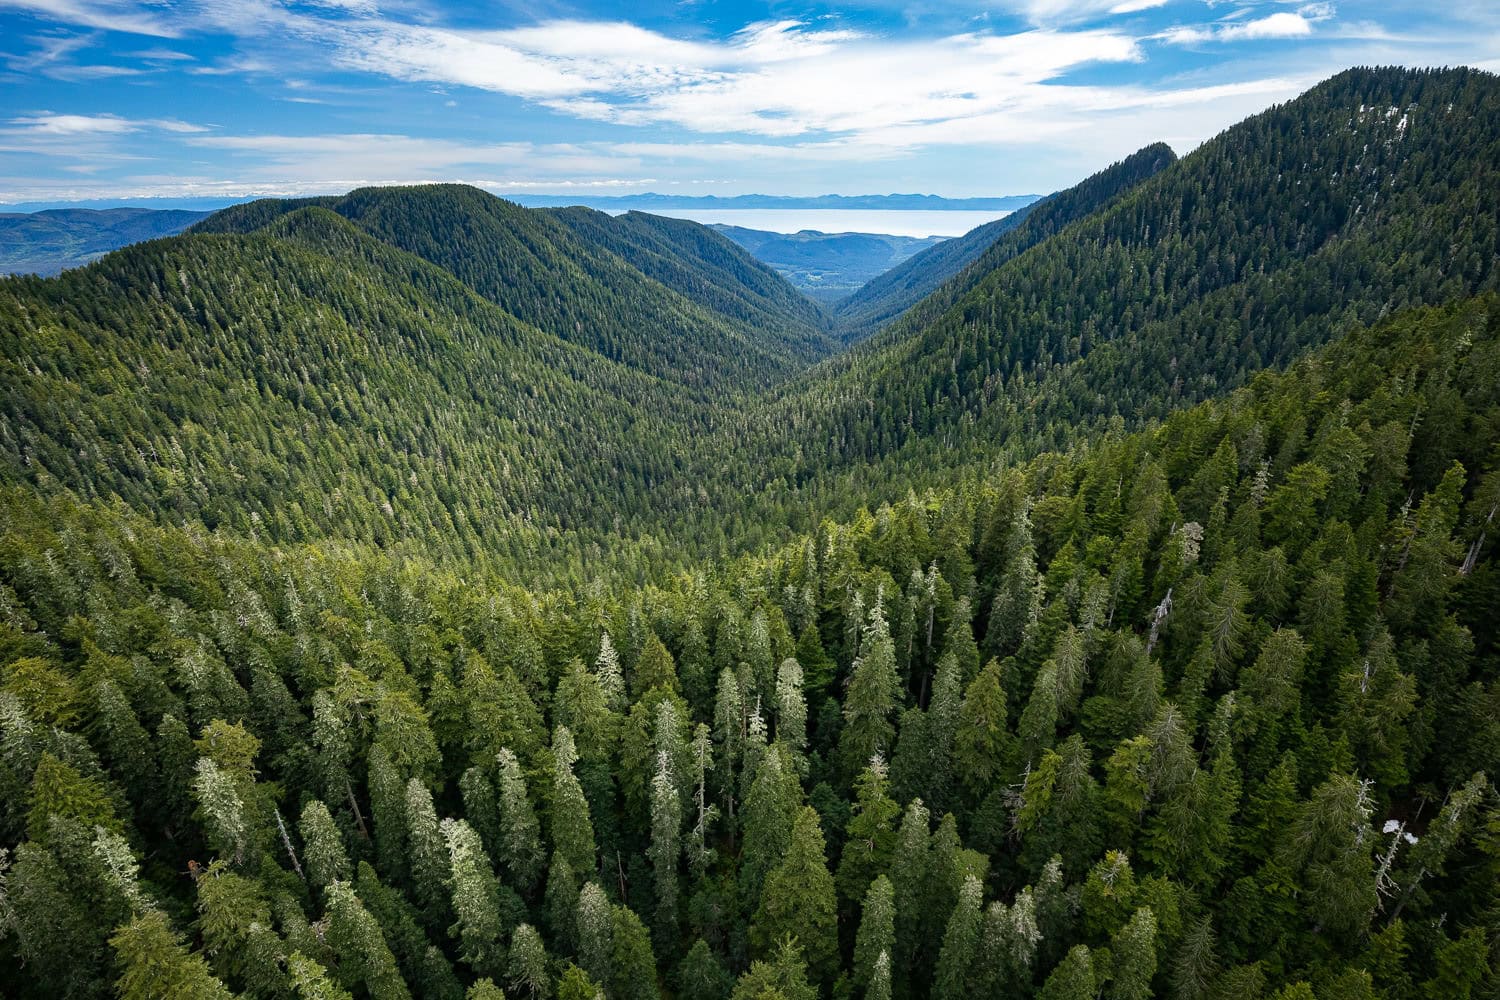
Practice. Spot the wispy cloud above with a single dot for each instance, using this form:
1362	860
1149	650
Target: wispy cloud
85	125
107	15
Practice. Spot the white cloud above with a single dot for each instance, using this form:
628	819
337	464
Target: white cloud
1281	25
109	15
780	79
1065	11
92	125
1136	6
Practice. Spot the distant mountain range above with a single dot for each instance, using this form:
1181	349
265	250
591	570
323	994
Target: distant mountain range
47	242
888	202
828	267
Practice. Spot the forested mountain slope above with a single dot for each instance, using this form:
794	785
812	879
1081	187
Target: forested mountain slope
1376	190
1210	710
941	275
532	265
307	380
707	268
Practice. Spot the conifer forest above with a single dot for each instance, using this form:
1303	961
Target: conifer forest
408	595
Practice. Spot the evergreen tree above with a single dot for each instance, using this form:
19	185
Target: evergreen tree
771	811
572	828
791	706
871	698
475	899
877	934
520	833
911	870
880	979
960	944
654	669
429	854
363	956
631	960
666	848
311	981
982	743
1133	965
870	836
388	813
798	901
1073	979
154	964
527	967
595	924
323	846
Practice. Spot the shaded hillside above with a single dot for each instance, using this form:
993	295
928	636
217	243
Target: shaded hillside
702	265
955	265
537	269
307	380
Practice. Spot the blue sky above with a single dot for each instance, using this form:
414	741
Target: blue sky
173	98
